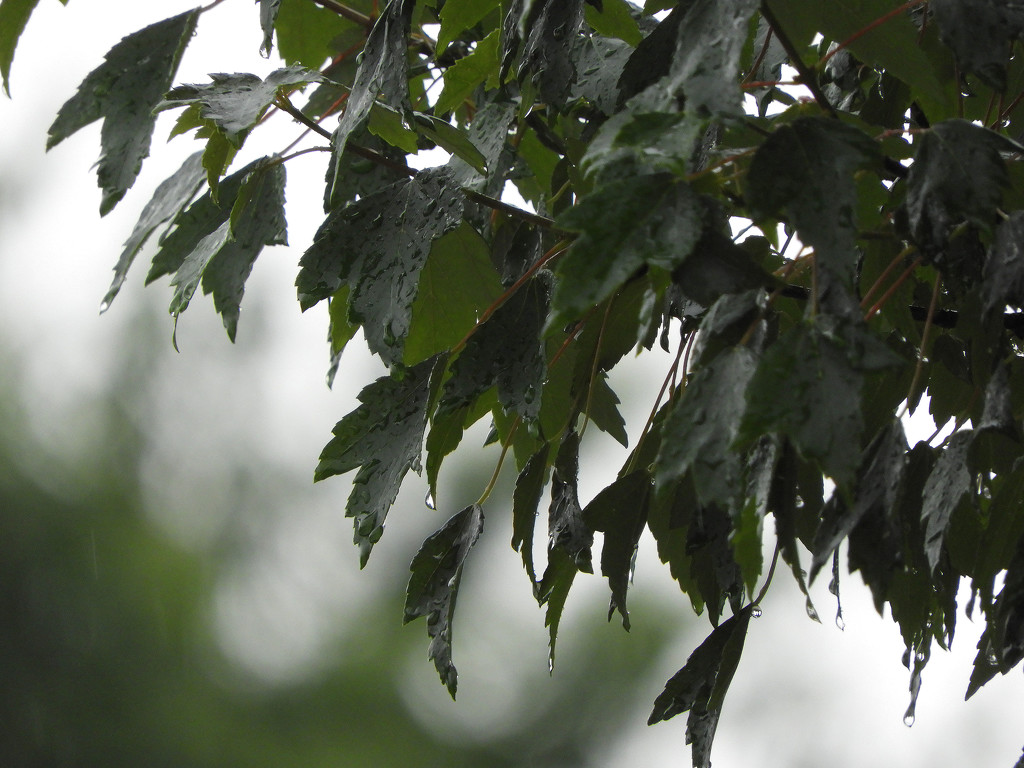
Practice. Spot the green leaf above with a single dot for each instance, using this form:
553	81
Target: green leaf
382	438
620	511
463	77
378	245
458	16
553	591
614	20
698	434
505	351
525	501
701	685
457	284
14	16
624	225
806	168
173	194
305	32
224	258
668	520
980	32
599	63
382	71
958	176
341	330
879	484
434	585
1004	267
948	484
235	103
269	10
806	388
567	530
546	61
123	92
449	138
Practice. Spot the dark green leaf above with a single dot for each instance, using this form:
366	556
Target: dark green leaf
602	408
958	176
382	72
599	62
434	585
504	351
379	244
698	435
235	103
458	16
700	686
806	168
553	590
123	92
668	520
525	501
1004	267
383	438
879	483
173	194
567	530
620	511
980	33
615	19
624	225
806	388
550	27
948	484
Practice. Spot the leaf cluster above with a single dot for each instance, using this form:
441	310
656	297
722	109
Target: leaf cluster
816	207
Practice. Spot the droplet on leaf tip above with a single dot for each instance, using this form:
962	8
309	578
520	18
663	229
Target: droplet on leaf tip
429	501
908	719
104	306
812	614
840	623
756	612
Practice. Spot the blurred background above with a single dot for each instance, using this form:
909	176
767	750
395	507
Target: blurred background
175	591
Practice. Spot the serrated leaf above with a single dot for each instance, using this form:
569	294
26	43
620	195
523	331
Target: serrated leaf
879	484
236	102
620	511
463	77
949	482
223	259
458	16
957	176
553	590
505	351
173	194
382	438
698	434
700	686
624	225
382	72
434	585
525	502
567	530
806	388
340	331
268	17
378	245
122	91
602	408
806	168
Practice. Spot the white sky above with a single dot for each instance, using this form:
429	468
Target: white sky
804	695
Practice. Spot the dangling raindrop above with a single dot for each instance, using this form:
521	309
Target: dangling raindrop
812	613
840	622
920	656
908	719
429	500
104	306
756	612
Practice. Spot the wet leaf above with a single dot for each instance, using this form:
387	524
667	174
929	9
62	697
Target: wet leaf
525	502
463	77
458	16
1004	267
235	103
620	512
434	585
123	91
14	15
173	194
548	27
382	438
379	244
980	33
948	485
268	17
567	530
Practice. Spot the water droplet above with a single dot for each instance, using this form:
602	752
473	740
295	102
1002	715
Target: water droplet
551	665
908	719
756	612
429	501
991	659
920	656
104	306
812	614
840	623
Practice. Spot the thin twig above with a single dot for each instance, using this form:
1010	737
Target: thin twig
861	32
349	13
